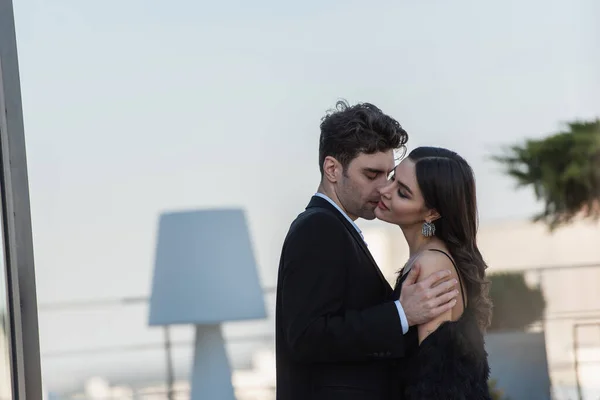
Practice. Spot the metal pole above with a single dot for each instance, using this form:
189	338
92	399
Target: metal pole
170	373
540	275
576	361
25	347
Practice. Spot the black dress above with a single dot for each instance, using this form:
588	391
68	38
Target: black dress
450	364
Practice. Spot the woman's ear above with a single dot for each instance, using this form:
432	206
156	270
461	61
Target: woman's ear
432	215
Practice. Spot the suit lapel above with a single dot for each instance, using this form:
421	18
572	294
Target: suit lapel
324	204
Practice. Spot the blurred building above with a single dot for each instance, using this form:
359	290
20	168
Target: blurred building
565	263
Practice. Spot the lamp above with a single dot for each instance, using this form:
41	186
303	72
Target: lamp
205	274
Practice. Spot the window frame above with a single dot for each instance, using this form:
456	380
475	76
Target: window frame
16	217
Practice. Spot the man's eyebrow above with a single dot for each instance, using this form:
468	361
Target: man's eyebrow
374	170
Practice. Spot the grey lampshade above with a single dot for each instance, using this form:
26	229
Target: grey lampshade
205	271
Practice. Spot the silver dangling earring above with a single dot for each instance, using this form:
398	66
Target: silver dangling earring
428	229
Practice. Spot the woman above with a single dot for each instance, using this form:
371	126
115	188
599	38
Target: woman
432	198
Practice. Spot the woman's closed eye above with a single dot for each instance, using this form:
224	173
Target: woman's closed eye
403	195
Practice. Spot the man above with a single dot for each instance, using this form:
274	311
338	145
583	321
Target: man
338	325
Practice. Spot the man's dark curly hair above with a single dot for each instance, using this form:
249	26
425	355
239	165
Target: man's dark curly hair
347	131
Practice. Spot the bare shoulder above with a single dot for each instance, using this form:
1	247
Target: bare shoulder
431	262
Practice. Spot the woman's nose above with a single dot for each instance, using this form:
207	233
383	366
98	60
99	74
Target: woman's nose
384	191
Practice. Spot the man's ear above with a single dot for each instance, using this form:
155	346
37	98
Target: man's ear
331	169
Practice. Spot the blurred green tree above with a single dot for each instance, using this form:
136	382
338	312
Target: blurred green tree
563	169
516	304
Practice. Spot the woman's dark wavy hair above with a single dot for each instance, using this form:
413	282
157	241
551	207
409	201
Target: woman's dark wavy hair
447	183
348	131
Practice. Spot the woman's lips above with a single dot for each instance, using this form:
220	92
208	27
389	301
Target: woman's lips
382	206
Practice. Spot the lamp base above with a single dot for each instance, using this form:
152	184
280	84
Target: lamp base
211	374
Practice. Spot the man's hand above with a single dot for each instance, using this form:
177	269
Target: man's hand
425	300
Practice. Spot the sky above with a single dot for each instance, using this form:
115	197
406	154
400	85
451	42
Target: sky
136	107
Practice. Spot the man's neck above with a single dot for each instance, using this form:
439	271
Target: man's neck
331	194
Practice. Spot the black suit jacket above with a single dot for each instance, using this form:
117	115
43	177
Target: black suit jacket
337	328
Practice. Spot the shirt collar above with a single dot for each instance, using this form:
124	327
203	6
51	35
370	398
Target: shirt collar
333	203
